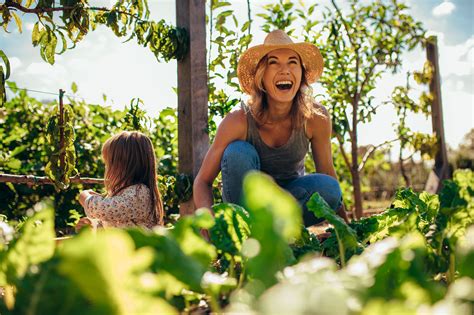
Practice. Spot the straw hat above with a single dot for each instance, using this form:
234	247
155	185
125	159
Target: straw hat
309	54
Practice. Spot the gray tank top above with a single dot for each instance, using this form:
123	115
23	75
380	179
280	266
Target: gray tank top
285	162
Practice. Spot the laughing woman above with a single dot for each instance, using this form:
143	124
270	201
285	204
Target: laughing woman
273	132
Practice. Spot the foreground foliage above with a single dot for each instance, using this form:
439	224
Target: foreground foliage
415	257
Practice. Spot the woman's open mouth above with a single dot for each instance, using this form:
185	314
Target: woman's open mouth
284	85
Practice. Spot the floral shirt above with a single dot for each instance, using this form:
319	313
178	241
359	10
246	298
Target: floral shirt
130	207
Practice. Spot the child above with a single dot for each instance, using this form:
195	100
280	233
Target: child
132	196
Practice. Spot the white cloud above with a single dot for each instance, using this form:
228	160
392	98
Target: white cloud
458	114
456	59
445	8
15	63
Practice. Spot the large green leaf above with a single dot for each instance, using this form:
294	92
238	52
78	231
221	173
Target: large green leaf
186	234
465	254
46	291
231	228
109	272
275	219
346	235
169	257
34	245
263	194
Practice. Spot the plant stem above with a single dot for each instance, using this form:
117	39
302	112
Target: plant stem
232	267
241	278
342	252
452	268
216	309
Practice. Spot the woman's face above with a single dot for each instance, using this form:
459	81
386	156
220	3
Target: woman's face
282	76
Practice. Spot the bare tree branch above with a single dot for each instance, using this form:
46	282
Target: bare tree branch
343	153
371	151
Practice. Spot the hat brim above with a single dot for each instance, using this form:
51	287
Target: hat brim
310	57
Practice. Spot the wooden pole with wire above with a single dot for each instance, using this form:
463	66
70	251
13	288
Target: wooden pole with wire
441	168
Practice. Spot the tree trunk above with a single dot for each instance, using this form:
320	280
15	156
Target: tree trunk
355	160
404	172
356	182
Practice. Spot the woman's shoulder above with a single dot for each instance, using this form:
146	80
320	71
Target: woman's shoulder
319	112
238	115
234	125
319	121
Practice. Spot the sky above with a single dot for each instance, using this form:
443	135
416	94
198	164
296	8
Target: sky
103	64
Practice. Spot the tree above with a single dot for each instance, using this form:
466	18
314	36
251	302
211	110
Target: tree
358	47
425	144
53	33
463	157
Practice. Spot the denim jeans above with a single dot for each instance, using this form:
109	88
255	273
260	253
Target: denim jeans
241	157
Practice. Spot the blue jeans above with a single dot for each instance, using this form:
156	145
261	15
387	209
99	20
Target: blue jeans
241	157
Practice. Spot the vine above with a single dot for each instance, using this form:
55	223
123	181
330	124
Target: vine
60	137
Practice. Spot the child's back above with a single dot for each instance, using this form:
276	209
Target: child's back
130	180
132	206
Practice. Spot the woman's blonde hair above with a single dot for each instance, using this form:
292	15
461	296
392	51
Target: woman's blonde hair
303	103
129	160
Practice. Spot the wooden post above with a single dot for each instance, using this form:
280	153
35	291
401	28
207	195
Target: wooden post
193	137
441	168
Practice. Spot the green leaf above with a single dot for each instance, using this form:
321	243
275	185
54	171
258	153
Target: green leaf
36	34
14	164
17	21
465	254
74	87
275	219
108	269
169	257
34	245
7	64
186	234
321	209
231	228
28	3
262	194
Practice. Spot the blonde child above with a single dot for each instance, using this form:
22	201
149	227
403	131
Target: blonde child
130	180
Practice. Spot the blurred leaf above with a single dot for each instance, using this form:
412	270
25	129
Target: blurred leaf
34	245
107	270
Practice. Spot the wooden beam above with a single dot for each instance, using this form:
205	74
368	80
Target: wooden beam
441	168
43	180
193	138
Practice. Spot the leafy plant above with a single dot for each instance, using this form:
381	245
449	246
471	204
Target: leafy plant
346	237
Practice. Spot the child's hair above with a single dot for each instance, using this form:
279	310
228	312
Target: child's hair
129	160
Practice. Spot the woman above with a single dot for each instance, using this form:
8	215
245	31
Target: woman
274	131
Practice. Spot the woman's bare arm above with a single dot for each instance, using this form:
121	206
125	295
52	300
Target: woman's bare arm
232	128
319	129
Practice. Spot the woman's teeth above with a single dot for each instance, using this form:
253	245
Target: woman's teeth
284	85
